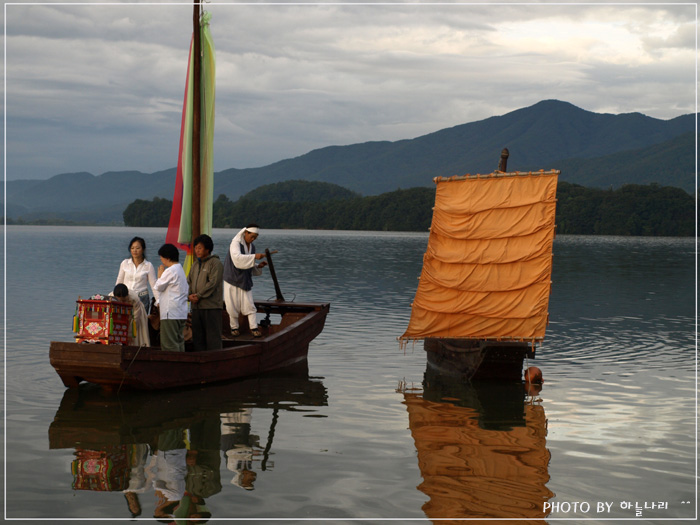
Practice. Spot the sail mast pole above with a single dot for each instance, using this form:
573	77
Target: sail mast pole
503	162
196	120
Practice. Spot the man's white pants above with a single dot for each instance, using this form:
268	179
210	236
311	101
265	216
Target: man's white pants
239	302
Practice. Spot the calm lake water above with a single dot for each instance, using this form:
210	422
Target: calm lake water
611	434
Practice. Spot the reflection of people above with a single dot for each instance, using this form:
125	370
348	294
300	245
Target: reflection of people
203	477
206	296
137	273
192	507
172	287
204	458
170	468
139	319
239	268
237	442
138	477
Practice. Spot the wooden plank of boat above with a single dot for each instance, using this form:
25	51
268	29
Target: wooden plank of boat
117	366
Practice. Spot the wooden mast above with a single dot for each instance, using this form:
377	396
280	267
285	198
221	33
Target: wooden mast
503	162
196	120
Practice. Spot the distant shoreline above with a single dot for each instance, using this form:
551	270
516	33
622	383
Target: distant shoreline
97	225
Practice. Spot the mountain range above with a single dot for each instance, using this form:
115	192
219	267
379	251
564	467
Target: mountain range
591	149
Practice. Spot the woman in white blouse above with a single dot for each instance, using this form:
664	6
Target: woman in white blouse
137	273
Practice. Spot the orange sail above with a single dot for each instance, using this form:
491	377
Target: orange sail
487	269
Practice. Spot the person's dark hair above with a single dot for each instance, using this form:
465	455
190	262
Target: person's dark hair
205	241
169	252
121	290
252	225
141	242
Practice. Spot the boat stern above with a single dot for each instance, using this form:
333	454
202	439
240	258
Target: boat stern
75	362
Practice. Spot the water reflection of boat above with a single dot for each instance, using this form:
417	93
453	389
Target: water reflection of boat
481	449
90	417
174	441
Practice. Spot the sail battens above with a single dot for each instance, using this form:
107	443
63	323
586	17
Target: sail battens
487	277
487	268
476	194
496	175
523	304
491	251
479	327
495	223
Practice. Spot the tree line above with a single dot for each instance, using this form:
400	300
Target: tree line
649	210
633	209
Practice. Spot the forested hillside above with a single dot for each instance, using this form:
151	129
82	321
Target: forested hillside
591	149
671	162
148	213
630	210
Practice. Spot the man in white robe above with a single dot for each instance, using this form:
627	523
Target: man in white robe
239	268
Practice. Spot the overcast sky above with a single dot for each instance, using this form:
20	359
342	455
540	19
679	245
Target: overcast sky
99	87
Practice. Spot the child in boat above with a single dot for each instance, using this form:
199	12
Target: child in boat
172	287
138	315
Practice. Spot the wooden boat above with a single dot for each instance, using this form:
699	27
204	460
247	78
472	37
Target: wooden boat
482	300
116	366
481	449
282	344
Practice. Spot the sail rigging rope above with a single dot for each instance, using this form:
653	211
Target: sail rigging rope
127	368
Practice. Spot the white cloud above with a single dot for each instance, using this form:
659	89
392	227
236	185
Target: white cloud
99	87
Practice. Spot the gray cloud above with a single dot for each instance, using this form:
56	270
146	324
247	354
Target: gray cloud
99	87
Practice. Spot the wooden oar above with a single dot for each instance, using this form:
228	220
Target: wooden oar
268	256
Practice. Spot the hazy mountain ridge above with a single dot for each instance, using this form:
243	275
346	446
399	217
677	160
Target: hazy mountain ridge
591	149
666	163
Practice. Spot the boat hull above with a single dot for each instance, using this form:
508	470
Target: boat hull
469	359
150	368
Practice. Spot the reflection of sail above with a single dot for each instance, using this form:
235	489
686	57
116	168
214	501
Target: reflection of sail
477	460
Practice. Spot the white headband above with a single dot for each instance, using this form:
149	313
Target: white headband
253	229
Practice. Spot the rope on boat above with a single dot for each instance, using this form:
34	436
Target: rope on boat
127	368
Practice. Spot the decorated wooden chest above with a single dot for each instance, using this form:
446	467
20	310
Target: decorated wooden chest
102	321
